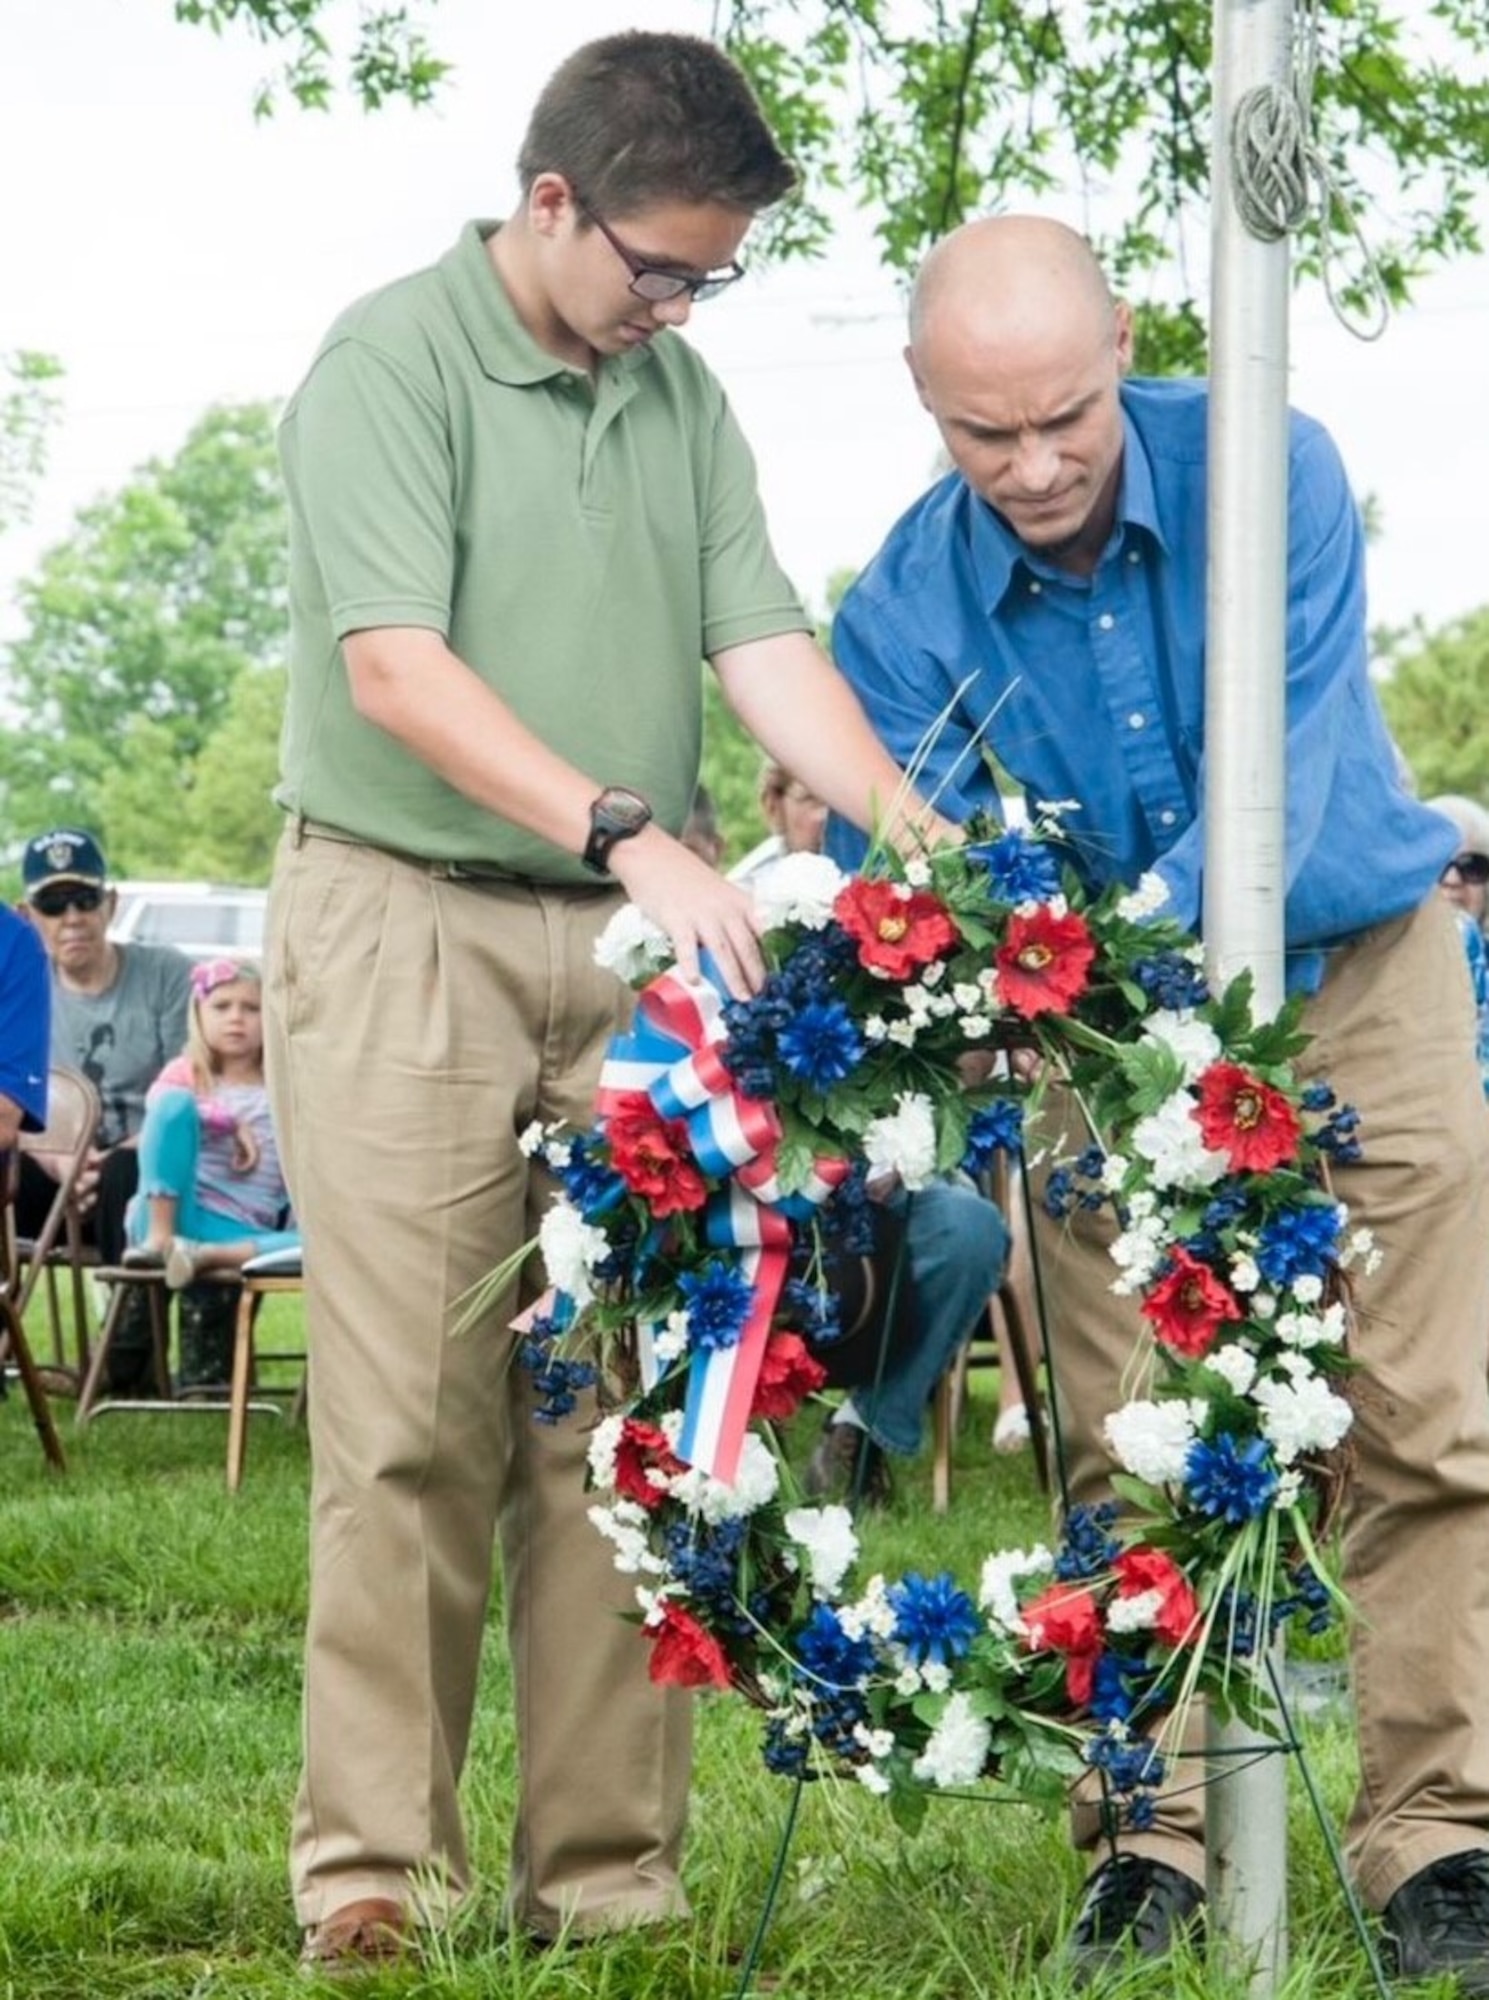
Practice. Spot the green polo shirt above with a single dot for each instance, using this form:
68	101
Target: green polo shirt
583	543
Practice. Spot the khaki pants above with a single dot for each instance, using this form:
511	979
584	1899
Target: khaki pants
1393	1034
415	1026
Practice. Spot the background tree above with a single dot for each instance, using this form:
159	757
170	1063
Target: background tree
28	409
1436	698
138	630
384	55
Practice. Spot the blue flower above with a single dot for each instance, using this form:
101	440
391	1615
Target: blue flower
996	1128
591	1185
1118	1685
827	1655
1317	1097
1298	1241
718	1300
1059	1194
1231	1480
814	1311
557	1381
1130	1762
821	1045
934	1621
1172	980
1089	1547
1020	870
705	1558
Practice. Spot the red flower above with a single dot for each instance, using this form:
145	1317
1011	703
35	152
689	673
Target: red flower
642	1447
788	1374
1044	961
683	1653
652	1156
1141	1570
1189	1306
897	929
1246	1119
1065	1619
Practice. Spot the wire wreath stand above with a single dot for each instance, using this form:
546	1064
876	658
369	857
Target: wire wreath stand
1288	1742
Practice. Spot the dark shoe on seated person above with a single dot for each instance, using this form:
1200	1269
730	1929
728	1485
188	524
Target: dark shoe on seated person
368	1932
1134	1908
1438	1922
847	1465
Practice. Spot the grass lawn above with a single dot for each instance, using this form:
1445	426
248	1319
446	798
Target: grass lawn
150	1640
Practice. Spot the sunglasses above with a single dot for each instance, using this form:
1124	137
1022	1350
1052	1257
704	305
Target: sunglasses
1469	867
55	902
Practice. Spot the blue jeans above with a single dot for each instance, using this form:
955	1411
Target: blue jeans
170	1146
956	1246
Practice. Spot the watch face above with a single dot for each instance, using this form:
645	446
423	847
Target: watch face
626	811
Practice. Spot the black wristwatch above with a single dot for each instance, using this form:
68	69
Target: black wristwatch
615	815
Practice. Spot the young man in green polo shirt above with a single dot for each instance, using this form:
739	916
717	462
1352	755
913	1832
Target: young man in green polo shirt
521	512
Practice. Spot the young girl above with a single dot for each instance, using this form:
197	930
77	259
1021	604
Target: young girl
211	1190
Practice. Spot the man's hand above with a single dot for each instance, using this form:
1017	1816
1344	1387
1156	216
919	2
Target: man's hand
698	908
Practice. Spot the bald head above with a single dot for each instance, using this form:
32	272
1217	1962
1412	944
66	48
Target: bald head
1007	280
1018	350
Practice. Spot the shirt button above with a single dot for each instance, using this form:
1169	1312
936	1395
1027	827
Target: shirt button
1167	818
1136	719
1106	621
1035	586
1134	555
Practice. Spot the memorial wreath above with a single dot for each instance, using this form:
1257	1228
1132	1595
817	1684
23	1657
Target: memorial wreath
736	1148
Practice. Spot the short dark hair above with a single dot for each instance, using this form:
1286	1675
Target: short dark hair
639	118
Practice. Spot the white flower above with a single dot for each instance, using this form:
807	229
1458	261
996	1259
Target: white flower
873	1616
878	1742
531	1139
755	1483
670	1341
826	1534
571	1249
871	1778
1135	1613
1146	900
1305	1330
604	1441
1361	1248
799	889
1301	1416
1236	1363
903	1032
1289	1488
967	996
905	1143
624	1524
1193	1043
632	946
958	1747
935	972
1138	1252
1264	1305
1244	1275
918	873
1171	1140
1000	1572
1308	1289
976	1027
875	1028
1152	1440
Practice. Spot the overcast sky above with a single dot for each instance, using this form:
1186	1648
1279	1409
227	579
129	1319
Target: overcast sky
173	253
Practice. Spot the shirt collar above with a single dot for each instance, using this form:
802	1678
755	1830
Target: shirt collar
505	349
997	550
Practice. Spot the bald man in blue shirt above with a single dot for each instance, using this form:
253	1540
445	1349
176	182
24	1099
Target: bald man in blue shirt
1047	598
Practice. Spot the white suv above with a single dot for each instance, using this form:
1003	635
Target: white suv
203	919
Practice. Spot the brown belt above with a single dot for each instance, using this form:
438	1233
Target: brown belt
477	873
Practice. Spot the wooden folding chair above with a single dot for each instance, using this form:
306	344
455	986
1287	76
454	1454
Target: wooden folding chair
262	1278
63	1148
13	1330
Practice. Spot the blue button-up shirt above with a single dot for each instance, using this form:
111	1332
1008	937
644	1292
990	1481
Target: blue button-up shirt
1091	689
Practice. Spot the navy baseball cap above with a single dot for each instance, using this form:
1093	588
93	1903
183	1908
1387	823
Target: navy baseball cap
66	854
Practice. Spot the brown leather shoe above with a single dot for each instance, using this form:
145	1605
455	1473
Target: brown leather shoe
365	1933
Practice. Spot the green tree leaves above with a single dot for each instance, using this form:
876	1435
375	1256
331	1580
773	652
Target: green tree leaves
153	634
1436	700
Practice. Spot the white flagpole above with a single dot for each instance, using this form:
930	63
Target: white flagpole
1246	1817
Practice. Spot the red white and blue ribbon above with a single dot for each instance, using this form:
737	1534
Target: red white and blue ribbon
672	1053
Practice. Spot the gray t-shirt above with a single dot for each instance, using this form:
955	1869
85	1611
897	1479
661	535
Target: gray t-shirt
123	1038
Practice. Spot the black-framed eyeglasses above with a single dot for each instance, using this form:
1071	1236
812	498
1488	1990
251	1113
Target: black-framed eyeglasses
57	899
655	282
1469	867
